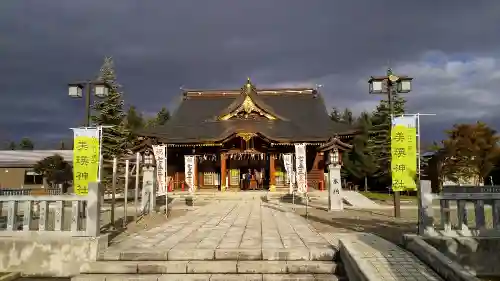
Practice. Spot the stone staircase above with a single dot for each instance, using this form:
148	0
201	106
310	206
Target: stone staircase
236	264
182	197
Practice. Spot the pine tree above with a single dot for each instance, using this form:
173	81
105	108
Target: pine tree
347	116
134	119
380	139
359	164
109	112
26	144
62	145
163	116
335	115
160	119
12	146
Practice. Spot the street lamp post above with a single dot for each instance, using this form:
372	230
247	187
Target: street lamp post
389	85
75	90
101	90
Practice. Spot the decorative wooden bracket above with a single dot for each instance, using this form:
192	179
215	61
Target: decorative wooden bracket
246	136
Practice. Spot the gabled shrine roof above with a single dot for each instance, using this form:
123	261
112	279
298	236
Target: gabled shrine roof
294	115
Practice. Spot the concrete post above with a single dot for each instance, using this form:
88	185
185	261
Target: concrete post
335	198
94	209
148	200
426	212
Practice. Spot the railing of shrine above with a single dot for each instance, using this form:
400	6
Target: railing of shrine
457	203
71	215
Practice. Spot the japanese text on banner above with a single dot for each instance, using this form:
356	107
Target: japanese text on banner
403	158
161	166
301	168
85	160
189	172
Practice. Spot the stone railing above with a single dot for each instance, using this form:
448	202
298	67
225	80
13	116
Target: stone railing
29	191
23	219
458	200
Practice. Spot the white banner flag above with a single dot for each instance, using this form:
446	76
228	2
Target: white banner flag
160	152
301	168
189	172
408	121
287	162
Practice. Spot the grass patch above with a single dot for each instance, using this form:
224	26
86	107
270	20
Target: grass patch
385	196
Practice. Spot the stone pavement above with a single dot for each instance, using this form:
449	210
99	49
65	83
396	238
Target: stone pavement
251	240
226	230
377	259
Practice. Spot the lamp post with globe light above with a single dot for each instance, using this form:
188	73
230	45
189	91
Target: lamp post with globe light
389	85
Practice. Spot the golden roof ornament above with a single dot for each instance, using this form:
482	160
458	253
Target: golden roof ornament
248	105
248	86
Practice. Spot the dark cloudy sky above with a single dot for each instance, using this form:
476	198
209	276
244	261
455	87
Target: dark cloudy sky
451	48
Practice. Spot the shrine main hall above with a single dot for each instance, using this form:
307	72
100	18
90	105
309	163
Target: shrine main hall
231	132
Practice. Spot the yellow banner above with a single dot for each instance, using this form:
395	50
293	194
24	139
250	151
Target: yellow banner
403	158
85	163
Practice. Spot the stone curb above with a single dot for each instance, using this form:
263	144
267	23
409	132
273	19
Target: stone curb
207	277
443	265
351	267
11	276
206	267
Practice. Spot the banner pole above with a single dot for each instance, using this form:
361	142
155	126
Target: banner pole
113	194
125	194
136	190
100	154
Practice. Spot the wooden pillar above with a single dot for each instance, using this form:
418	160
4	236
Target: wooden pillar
272	173
223	169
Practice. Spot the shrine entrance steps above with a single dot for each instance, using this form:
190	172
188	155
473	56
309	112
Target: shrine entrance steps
224	241
204	195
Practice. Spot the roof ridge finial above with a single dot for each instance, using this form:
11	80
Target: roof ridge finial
249	87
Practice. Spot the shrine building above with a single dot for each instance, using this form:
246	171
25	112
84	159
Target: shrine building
233	131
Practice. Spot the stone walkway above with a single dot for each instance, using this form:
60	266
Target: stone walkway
378	259
227	228
251	232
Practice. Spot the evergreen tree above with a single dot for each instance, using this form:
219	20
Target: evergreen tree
163	116
160	119
347	117
12	146
134	119
109	112
335	115
134	122
380	139
359	164
65	145
26	144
